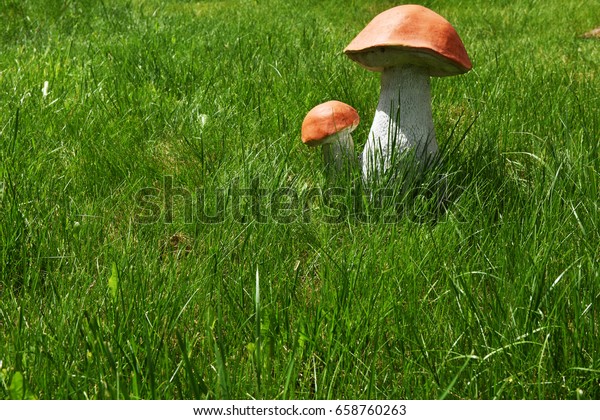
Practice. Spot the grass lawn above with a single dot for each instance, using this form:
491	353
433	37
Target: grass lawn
164	234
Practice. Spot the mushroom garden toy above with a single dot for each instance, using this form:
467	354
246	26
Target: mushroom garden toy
407	44
329	125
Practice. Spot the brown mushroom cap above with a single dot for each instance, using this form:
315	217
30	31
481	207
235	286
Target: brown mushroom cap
327	119
410	35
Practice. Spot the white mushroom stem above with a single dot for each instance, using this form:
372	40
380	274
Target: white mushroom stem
402	123
338	152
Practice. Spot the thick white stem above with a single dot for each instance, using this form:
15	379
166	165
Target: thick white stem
402	123
339	153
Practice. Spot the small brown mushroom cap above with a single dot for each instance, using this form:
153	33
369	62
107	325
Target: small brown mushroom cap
327	119
594	33
410	35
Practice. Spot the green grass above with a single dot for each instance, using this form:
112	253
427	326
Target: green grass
498	297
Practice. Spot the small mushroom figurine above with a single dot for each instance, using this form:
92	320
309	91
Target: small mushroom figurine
329	125
407	44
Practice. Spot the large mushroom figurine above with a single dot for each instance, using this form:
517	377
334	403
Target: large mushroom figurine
329	125
407	44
